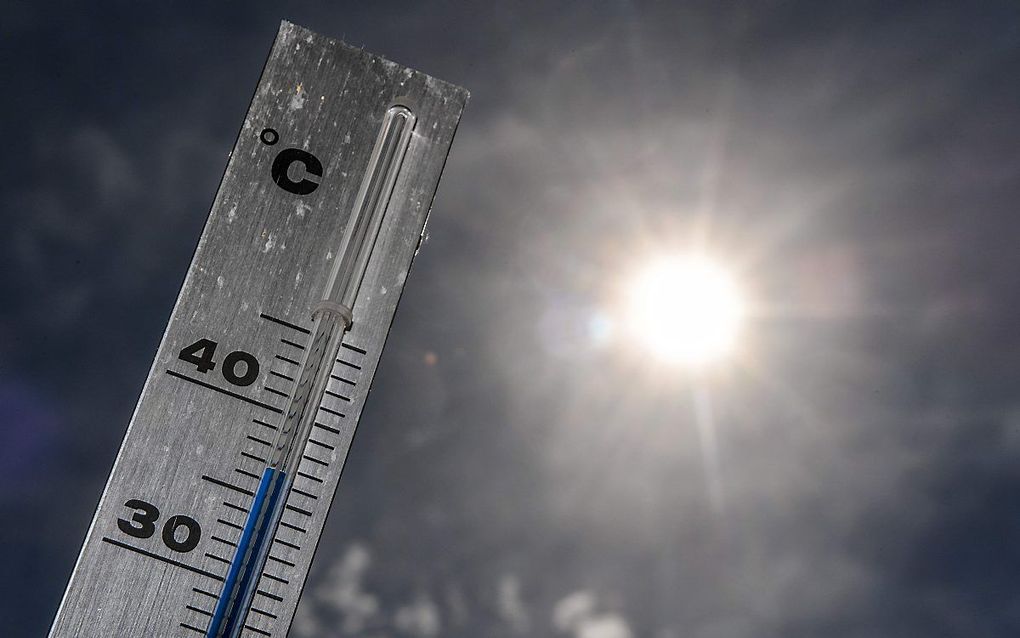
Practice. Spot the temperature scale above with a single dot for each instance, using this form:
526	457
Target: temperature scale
210	518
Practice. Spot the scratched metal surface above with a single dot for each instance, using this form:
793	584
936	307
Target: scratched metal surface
264	256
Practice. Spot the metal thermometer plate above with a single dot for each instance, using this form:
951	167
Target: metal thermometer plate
167	525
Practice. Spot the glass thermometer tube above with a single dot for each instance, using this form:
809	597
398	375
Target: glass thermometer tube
333	317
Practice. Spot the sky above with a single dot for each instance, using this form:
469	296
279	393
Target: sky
523	467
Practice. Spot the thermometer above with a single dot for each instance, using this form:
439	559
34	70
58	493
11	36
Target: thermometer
211	515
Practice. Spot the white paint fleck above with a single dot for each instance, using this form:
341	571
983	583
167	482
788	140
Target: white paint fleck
297	277
231	214
329	255
347	138
297	101
270	243
300	208
220	281
382	290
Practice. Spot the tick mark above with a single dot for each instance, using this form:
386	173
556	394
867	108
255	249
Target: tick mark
327	428
293	527
333	412
245	473
315	460
268	595
342	380
276	578
229	486
304	493
354	348
235	395
276	392
286	324
286	544
243	510
281	561
224	541
264	424
168	561
338	396
298	510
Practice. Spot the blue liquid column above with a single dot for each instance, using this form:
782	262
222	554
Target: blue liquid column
252	549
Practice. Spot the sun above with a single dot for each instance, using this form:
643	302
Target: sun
685	309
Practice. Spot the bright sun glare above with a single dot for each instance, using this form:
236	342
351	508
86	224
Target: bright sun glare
686	310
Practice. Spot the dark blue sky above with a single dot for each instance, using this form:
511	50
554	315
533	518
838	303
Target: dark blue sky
517	473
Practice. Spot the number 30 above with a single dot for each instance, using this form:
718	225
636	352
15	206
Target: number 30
143	525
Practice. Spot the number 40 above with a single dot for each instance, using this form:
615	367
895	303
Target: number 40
200	354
